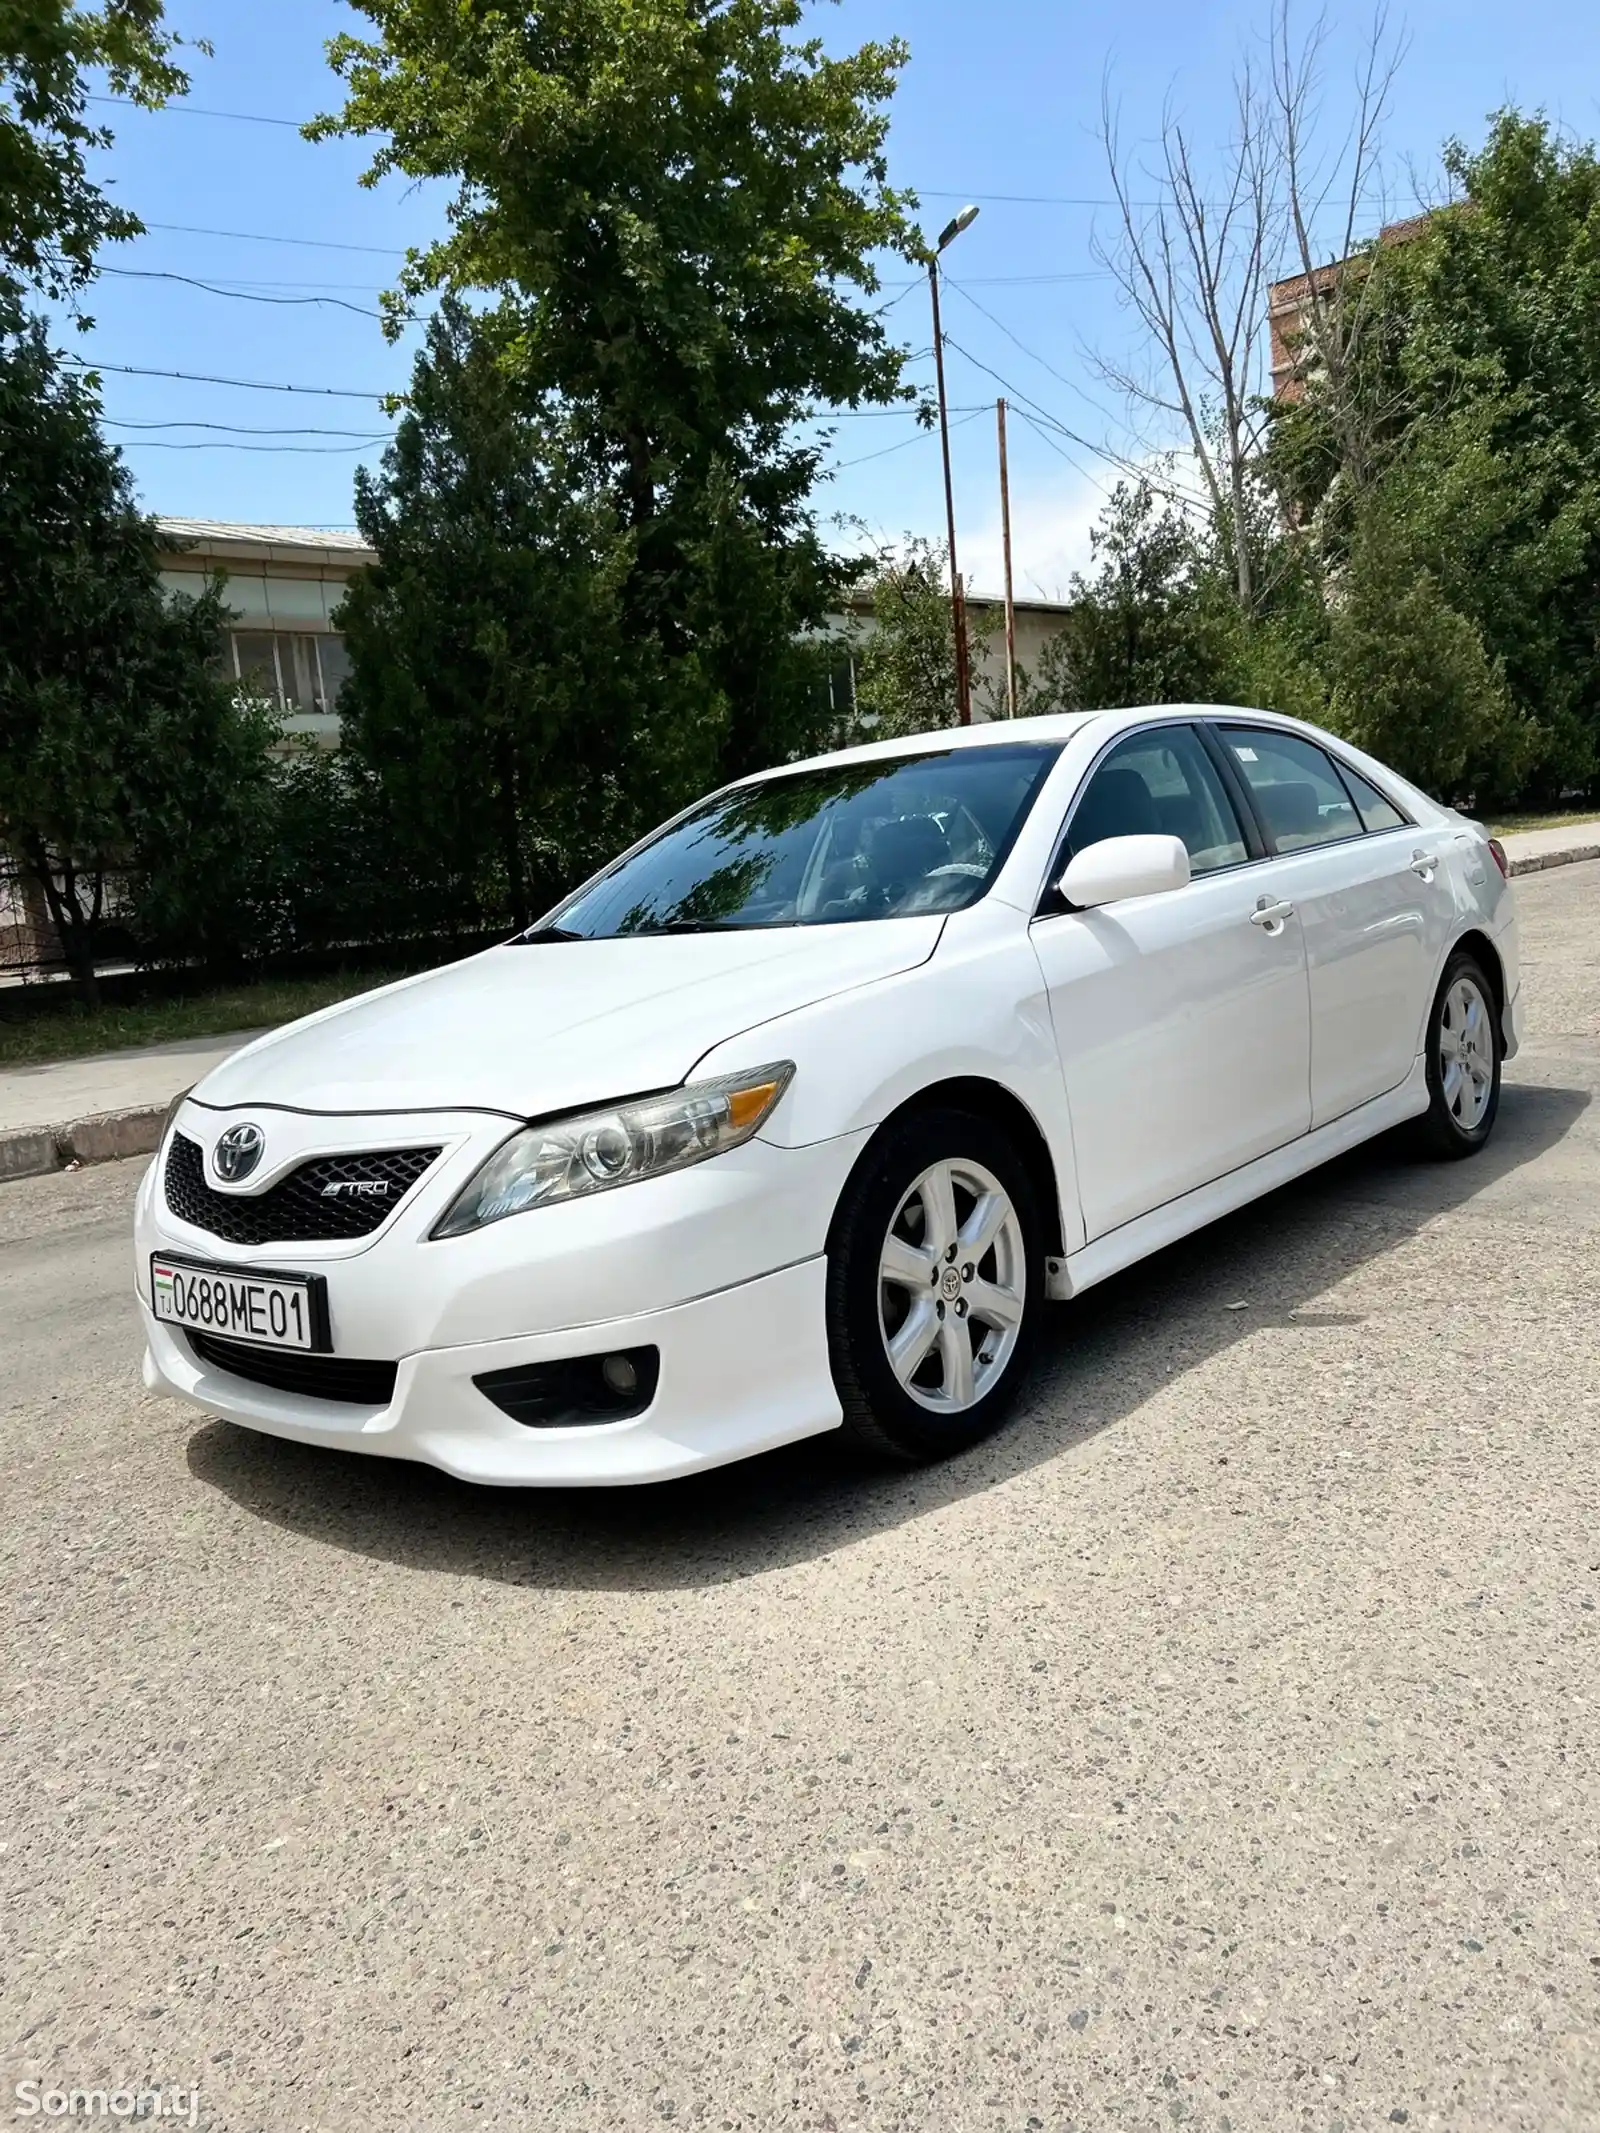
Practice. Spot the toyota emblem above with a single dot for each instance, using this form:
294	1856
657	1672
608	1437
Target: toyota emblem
238	1152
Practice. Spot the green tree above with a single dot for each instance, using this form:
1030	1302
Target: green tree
1484	394
1155	622
53	214
517	730
678	208
906	659
122	752
1411	679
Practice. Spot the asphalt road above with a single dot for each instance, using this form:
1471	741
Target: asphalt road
1220	1748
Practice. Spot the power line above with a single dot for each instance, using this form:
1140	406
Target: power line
312	244
1045	437
1052	199
1025	199
1032	354
243	118
970	415
251	385
228	444
920	281
334	392
262	118
233	429
884	414
1044	413
248	296
282	281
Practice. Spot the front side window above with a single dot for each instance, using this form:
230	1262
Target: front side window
1161	783
847	842
1295	786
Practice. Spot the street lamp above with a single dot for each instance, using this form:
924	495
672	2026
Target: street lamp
958	606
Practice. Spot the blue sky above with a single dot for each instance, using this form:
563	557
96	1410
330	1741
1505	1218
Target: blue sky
998	105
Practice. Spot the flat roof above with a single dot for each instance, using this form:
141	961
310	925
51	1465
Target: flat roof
225	538
860	603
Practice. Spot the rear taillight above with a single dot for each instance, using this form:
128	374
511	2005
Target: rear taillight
1497	853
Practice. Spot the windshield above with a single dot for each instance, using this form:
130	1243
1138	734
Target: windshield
822	847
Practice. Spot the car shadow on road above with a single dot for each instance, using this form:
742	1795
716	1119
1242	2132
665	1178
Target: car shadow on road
1102	1357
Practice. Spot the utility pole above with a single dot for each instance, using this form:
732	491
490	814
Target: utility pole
958	605
1005	539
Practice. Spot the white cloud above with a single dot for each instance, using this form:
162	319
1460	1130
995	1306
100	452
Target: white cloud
1050	525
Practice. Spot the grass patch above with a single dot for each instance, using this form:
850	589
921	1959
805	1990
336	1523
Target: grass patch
47	1031
1509	825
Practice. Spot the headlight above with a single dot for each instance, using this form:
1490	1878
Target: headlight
172	1111
599	1149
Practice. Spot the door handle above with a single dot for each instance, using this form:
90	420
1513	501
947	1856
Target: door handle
1270	915
1425	864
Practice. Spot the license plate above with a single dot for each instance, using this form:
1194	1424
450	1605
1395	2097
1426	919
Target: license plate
270	1310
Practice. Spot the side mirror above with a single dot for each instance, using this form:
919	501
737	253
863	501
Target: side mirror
1119	867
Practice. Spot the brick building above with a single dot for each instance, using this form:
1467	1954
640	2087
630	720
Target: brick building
1289	302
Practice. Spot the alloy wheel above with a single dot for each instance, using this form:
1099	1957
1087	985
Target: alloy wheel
952	1285
1466	1054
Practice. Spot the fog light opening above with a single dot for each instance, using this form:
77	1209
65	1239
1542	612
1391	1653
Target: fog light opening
577	1391
621	1376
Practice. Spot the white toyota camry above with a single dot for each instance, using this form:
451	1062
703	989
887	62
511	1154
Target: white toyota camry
795	1117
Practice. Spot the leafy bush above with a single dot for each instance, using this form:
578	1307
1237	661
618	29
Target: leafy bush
1412	682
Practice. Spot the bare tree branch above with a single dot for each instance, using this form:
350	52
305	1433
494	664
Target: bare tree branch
1192	269
1340	298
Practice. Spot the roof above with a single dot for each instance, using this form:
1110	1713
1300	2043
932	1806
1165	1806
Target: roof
1284	295
860	603
273	544
1050	728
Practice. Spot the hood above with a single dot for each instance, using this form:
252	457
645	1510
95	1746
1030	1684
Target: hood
555	1025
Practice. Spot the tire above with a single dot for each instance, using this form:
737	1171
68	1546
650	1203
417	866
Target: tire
991	1302
1464	1049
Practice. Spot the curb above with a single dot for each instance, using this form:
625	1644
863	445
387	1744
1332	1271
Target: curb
27	1152
1538	863
107	1137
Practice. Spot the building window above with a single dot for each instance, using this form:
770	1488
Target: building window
297	671
335	667
837	686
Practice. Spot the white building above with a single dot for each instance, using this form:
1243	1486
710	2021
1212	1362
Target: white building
284	587
284	584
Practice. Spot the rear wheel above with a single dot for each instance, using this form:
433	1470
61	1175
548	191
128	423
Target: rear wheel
934	1287
1463	1057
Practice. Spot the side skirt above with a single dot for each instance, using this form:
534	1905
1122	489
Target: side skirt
1134	1240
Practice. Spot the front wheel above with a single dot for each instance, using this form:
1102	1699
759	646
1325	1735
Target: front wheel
1463	1060
935	1286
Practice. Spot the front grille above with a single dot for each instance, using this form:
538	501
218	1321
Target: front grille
296	1210
318	1377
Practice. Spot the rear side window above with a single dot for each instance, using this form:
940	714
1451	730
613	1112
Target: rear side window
1161	783
1375	811
1299	793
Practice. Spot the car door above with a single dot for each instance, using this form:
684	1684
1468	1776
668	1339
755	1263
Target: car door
1374	900
1181	1018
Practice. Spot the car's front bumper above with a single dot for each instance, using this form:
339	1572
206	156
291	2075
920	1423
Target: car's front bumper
719	1266
741	1372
